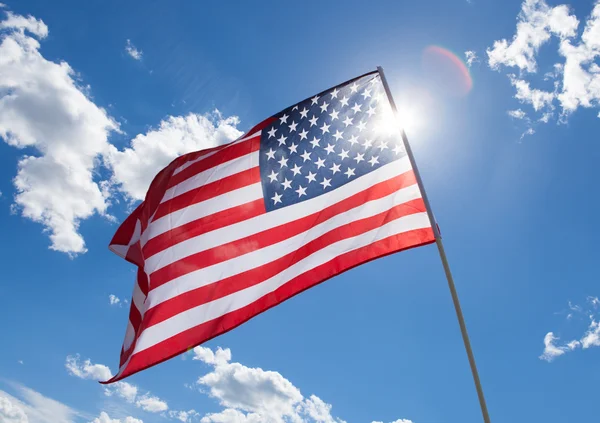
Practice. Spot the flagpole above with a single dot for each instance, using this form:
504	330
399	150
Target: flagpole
442	252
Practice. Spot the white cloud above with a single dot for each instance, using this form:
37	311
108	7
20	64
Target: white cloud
535	24
87	370
399	421
517	114
151	404
114	300
576	80
33	407
591	338
21	362
44	108
104	418
551	350
184	416
124	390
132	51
471	57
11	413
255	395
135	167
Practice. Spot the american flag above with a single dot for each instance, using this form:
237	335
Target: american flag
227	233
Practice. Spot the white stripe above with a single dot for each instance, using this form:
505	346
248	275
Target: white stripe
229	168
257	258
202	209
191	162
275	218
209	311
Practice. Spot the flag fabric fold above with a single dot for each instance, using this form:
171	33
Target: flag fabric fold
226	233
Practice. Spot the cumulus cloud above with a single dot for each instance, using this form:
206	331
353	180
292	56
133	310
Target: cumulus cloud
104	418
252	395
576	80
11	413
33	407
184	416
124	390
517	114
114	300
86	370
43	108
133	51
551	350
471	57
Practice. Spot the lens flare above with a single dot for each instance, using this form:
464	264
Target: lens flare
446	71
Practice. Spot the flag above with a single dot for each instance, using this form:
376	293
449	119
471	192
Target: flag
226	233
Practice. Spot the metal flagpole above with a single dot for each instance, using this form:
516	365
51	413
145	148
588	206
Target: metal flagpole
440	245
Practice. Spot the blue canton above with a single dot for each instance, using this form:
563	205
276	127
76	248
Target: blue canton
327	141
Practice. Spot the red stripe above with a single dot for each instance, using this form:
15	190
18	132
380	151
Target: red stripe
203	225
208	191
233	151
195	336
276	234
232	284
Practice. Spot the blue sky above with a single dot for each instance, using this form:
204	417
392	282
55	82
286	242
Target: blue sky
96	97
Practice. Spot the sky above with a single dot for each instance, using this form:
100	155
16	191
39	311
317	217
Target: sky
500	102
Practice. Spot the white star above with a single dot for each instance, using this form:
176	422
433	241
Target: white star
335	168
378	97
344	154
338	135
301	191
334	115
303	134
354	88
368	143
315	142
359	157
325	128
366	93
313	121
320	163
305	156
334	93
398	149
374	80
304	113
344	101
286	184
295	108
374	160
283	162
293	148
371	111
272	132
324	106
326	183
296	169
311	177
273	176
329	148
276	198
283	118
281	140
293	126
348	121
349	172
362	125
356	107
270	154
383	145
315	99
353	139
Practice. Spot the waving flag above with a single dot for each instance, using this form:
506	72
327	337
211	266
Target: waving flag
227	233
